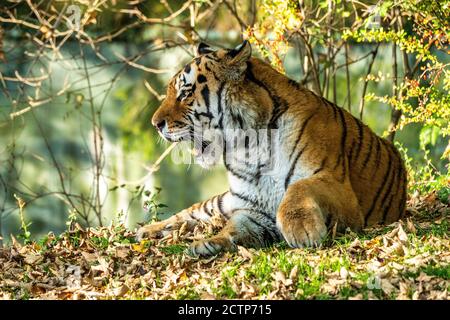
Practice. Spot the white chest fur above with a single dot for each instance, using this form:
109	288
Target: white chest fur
266	189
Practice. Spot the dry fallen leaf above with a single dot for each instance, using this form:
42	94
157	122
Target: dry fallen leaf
343	273
89	257
402	236
33	258
243	252
410	226
121	291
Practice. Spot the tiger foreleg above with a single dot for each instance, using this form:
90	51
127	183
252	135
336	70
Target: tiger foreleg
202	211
246	227
311	205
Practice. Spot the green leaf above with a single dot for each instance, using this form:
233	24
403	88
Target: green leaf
385	6
429	135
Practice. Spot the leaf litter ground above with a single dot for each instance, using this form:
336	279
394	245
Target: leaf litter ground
406	260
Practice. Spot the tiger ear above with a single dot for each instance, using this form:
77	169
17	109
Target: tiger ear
203	48
240	54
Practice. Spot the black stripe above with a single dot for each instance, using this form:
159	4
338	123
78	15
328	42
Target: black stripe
267	232
219	105
334	111
206	245
302	130
219	96
254	235
254	209
211	202
245	198
206	64
237	119
294	83
205	95
331	105
292	168
400	170
265	214
220	203
190	119
378	193
241	175
251	77
388	192
279	108
342	155
378	157
254	221
387	208
361	137
208	115
279	105
204	208
179	123
321	166
369	152
187	68
211	72
215	60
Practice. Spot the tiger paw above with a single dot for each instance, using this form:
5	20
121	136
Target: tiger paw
210	247
302	232
151	231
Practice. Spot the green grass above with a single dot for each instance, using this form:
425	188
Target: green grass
224	289
441	272
187	293
431	270
174	249
99	242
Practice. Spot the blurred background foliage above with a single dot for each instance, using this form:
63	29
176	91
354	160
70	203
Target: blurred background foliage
79	81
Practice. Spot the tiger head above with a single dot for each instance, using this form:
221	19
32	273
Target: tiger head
198	96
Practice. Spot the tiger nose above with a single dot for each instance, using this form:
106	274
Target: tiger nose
160	125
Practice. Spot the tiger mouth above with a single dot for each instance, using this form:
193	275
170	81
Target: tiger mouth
176	136
199	148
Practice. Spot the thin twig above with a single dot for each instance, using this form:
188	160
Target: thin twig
363	94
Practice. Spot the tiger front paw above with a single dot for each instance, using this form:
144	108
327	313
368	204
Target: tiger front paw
300	232
210	247
152	231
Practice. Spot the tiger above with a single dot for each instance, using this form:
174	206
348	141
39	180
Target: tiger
330	171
